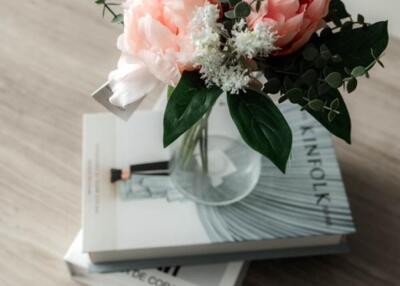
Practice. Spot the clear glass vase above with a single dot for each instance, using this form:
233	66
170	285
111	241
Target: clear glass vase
213	169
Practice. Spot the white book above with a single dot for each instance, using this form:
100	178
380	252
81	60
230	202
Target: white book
306	208
226	274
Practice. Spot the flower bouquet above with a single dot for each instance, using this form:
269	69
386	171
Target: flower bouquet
306	52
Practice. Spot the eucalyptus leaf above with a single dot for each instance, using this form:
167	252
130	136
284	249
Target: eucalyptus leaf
295	95
334	80
355	46
352	85
310	53
119	19
309	77
335	104
234	2
341	126
331	116
188	103
316	104
262	126
337	10
242	9
358	71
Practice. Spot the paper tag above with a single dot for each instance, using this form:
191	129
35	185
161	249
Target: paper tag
219	167
103	94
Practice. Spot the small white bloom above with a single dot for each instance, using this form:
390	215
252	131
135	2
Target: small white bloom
218	62
206	16
259	41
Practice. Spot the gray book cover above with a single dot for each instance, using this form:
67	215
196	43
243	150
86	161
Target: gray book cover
146	218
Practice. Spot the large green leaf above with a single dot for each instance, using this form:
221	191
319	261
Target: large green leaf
354	46
337	10
188	103
341	125
262	126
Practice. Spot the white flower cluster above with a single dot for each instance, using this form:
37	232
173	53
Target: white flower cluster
208	54
219	62
259	41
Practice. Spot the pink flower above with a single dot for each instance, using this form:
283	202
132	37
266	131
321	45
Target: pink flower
294	21
155	48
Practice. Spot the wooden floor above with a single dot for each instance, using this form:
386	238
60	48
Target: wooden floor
54	53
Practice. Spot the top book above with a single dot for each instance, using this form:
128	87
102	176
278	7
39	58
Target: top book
146	219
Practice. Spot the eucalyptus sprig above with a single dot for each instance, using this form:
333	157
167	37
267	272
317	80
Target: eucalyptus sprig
117	17
240	9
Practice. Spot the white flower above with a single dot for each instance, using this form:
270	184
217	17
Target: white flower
259	41
209	54
206	16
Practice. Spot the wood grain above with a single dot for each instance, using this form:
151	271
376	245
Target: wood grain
53	54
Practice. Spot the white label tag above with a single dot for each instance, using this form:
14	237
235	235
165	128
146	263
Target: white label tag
219	167
103	94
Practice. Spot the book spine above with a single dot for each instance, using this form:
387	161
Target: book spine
126	278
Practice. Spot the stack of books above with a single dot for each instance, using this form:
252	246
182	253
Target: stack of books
145	223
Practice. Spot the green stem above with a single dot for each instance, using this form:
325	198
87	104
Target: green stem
196	135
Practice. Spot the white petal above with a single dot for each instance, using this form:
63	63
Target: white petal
130	83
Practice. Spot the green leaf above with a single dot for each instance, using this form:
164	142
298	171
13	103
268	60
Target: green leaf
337	10
242	9
295	95
341	126
189	102
273	85
360	19
325	52
262	126
358	71
258	5
334	80
377	59
100	1
316	104
230	14
310	53
309	77
352	85
119	19
335	104
354	46
331	116
170	91
233	2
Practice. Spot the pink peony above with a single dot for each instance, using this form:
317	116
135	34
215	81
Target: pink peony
156	48
294	20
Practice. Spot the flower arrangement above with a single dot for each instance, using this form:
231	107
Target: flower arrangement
303	51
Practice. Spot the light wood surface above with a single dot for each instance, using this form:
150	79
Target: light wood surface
53	54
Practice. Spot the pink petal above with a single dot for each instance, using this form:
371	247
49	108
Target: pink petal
155	34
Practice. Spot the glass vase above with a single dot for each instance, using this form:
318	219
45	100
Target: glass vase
215	170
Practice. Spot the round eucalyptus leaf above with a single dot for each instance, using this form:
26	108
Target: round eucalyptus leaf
325	52
358	71
331	116
316	104
242	10
273	85
323	88
310	53
230	14
335	104
234	2
309	77
295	95
334	80
352	85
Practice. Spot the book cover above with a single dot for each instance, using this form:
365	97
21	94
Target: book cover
307	207
224	274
